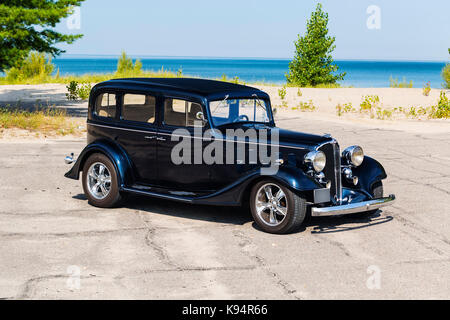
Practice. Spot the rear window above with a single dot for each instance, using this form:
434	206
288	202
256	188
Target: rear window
139	108
105	105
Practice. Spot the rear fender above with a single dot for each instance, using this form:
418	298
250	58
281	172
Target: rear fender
114	152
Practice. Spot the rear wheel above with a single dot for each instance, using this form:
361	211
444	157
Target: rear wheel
275	208
100	183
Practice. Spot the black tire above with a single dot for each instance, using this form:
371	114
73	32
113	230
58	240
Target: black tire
114	197
296	210
377	192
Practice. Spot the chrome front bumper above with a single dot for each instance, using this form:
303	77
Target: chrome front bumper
353	207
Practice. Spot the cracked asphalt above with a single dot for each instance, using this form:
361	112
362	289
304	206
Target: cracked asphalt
53	245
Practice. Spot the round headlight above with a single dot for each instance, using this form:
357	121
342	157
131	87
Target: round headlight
354	155
317	160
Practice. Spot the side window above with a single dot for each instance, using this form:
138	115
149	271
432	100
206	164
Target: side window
139	107
182	113
105	105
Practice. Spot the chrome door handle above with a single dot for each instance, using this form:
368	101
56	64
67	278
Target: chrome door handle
161	139
150	137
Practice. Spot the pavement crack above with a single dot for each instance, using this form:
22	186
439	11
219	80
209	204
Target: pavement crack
414	226
38	235
30	284
337	244
421	183
201	269
159	250
261	263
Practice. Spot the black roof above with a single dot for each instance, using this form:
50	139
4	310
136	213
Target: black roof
198	86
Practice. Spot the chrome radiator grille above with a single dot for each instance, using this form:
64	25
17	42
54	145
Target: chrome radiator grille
332	170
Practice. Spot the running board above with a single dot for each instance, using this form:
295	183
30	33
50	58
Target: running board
158	195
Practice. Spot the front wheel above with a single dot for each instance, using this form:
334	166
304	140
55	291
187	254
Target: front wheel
100	183
275	208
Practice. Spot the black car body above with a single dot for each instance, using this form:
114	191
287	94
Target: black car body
133	127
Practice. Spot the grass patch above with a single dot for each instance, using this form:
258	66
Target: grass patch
370	105
46	121
305	107
442	109
87	78
394	83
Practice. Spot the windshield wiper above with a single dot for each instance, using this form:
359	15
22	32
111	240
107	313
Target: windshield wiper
258	100
220	104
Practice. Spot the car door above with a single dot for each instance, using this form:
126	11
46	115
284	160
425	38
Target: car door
139	134
181	131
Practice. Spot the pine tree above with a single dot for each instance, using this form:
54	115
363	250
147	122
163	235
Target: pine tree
28	25
313	64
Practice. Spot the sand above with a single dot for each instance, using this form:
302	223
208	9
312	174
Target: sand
325	101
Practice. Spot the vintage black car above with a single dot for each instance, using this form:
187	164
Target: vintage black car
163	138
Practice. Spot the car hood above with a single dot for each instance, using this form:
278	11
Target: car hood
290	138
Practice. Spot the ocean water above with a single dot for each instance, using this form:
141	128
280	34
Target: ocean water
360	74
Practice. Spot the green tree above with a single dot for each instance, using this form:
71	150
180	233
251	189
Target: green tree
125	65
28	25
446	74
313	64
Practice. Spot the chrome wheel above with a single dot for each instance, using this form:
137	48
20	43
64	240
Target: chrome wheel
99	181
271	204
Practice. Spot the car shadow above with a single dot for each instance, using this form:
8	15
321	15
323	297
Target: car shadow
346	223
215	214
242	215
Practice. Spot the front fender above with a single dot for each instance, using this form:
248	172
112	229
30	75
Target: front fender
114	152
296	179
291	177
370	172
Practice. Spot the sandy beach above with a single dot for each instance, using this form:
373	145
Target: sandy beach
324	100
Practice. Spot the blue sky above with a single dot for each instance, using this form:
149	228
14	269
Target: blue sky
409	30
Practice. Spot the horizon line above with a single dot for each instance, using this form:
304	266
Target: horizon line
137	56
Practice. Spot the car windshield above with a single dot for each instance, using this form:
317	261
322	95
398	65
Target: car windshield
230	111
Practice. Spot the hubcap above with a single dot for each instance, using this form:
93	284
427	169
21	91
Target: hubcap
271	204
99	181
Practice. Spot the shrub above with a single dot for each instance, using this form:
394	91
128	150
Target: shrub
84	91
299	92
369	103
125	66
282	93
383	114
427	89
36	65
78	91
72	90
306	106
446	76
442	109
394	83
345	108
